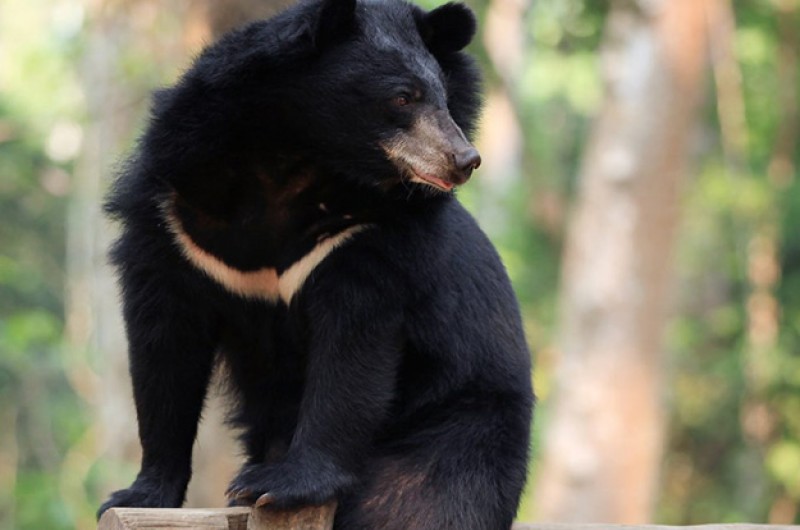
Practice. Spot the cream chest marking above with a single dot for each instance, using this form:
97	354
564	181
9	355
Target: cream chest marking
264	284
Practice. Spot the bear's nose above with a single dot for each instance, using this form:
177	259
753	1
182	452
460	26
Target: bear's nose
467	160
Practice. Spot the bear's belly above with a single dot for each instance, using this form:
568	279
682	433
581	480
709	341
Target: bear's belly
265	283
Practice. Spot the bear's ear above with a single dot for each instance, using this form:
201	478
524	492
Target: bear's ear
335	19
448	28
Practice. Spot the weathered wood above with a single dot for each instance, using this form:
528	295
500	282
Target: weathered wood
311	518
165	518
321	518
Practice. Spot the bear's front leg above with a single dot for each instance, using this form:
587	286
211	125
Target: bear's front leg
171	349
355	345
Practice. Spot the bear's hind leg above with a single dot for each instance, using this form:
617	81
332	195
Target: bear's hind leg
467	474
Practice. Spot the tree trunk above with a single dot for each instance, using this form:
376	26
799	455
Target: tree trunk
208	19
95	359
602	452
501	139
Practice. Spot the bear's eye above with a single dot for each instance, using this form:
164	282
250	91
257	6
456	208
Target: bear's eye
401	101
407	98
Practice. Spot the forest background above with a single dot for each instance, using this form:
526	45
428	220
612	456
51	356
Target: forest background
640	182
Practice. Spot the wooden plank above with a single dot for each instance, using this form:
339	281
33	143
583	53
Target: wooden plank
167	518
321	518
311	518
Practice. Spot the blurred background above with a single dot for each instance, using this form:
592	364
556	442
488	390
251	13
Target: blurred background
639	179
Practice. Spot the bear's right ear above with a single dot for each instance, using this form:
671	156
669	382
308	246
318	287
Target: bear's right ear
335	20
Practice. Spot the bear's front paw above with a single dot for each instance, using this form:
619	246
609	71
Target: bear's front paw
286	485
147	493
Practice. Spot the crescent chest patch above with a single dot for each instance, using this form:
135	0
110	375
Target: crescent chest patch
265	283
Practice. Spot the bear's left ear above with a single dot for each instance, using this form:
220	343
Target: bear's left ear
448	28
335	20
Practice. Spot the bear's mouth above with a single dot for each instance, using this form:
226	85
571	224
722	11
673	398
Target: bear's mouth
431	180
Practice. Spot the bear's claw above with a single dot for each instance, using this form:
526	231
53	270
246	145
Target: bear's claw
265	499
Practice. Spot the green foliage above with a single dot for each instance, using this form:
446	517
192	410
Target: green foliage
41	416
733	440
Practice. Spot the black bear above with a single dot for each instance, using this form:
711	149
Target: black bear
289	217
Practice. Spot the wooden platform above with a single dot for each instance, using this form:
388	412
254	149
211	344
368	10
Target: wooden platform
319	519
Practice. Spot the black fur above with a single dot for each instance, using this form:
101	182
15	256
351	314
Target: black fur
397	378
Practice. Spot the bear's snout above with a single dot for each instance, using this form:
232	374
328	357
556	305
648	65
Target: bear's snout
434	151
465	162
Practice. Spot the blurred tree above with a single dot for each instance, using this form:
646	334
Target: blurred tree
604	444
32	205
38	142
212	18
734	449
96	352
784	447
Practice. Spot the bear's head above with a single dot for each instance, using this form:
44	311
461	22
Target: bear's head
378	91
399	84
